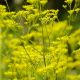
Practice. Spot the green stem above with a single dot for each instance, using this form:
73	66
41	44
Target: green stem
7	5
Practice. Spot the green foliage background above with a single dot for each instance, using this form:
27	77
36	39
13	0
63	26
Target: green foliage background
34	46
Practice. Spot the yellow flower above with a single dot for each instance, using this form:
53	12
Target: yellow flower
5	60
9	73
43	2
68	1
71	12
21	66
44	69
2	8
29	7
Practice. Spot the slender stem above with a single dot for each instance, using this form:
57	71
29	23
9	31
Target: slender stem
27	54
7	5
43	47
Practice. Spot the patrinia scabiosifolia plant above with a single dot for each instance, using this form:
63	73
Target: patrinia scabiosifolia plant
35	45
